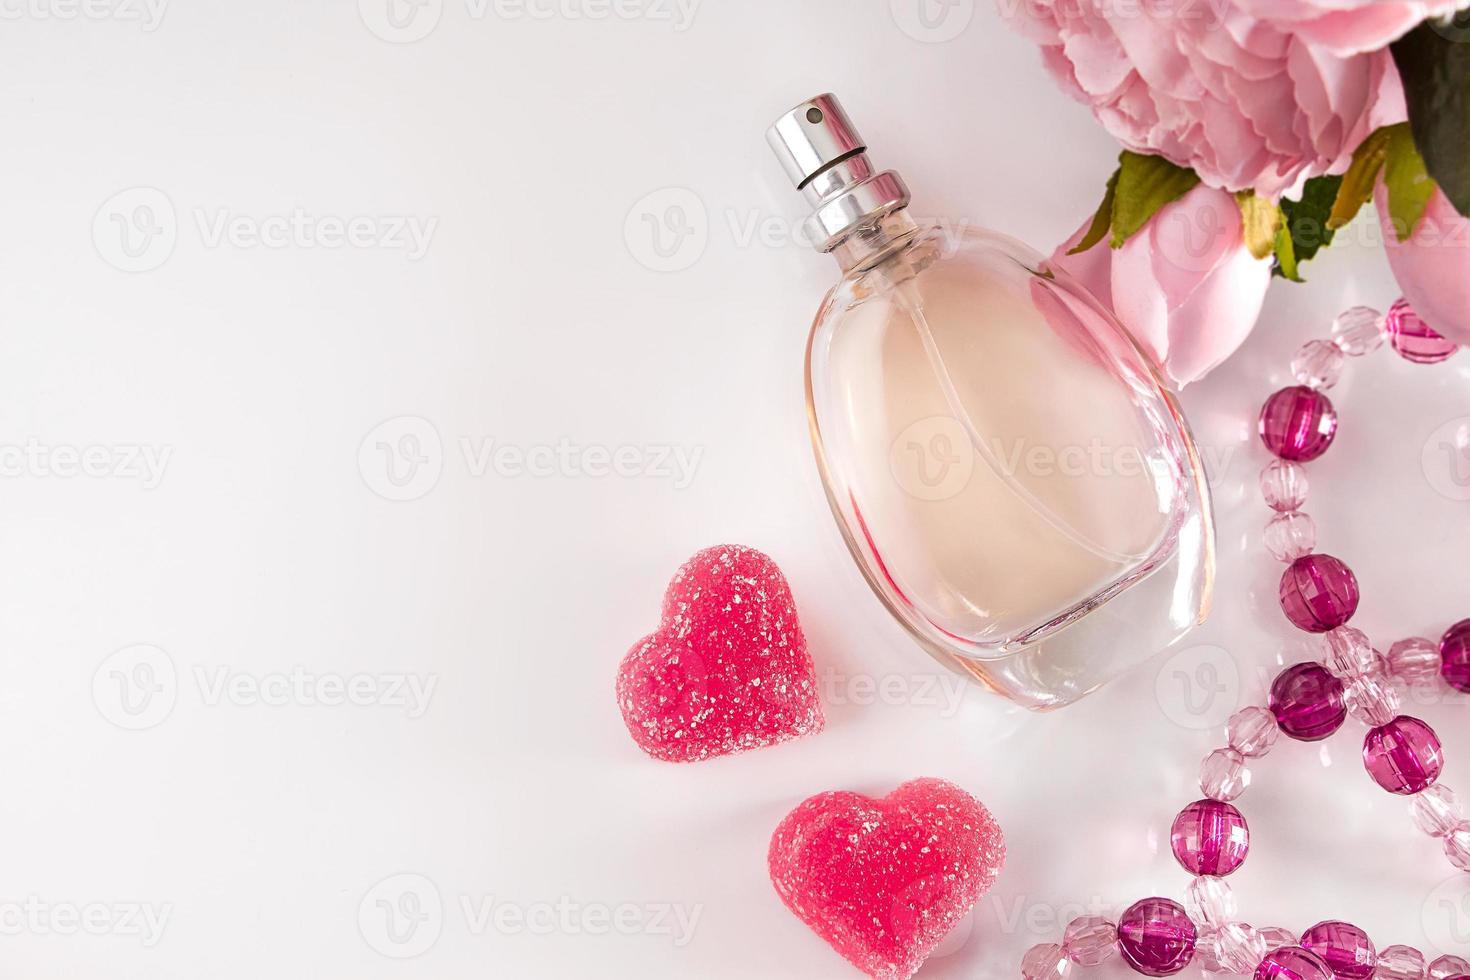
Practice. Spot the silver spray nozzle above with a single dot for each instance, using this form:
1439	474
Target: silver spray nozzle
827	160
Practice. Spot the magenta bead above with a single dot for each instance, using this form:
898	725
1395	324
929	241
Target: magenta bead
1210	837
1412	338
1293	963
1307	702
1454	656
1404	756
1156	937
1318	593
1343	947
1298	424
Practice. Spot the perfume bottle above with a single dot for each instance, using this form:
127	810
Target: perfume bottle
1012	478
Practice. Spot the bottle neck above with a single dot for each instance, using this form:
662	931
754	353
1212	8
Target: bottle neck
870	243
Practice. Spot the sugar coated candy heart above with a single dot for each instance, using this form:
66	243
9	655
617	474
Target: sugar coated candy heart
727	669
883	881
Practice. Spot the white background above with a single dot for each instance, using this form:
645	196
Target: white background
537	315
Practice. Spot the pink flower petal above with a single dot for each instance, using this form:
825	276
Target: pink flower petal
1433	266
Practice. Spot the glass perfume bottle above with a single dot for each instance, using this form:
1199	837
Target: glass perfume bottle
1012	478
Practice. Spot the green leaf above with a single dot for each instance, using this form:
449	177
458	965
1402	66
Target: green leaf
1434	62
1102	220
1145	184
1306	221
1357	183
1286	256
1409	184
1260	219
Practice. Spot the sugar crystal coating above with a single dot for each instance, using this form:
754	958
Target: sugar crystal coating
727	669
882	881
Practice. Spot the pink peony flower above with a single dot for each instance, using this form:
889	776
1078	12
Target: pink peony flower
1433	266
1348	27
1252	94
1185	286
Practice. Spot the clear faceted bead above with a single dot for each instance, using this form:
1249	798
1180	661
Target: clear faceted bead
1090	940
1293	963
1414	659
1239	948
1436	811
1253	731
1399	963
1404	756
1156	936
1044	962
1349	654
1297	423
1284	485
1343	947
1319	593
1223	775
1318	364
1454	656
1210	902
1371	700
1457	846
1358	331
1448	966
1206	957
1412	338
1275	937
1291	535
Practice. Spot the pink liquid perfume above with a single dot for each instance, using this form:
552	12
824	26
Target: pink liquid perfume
1010	475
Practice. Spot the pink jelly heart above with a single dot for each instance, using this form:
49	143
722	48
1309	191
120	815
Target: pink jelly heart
727	669
883	881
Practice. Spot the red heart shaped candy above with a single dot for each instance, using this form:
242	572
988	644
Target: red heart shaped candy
727	670
883	881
